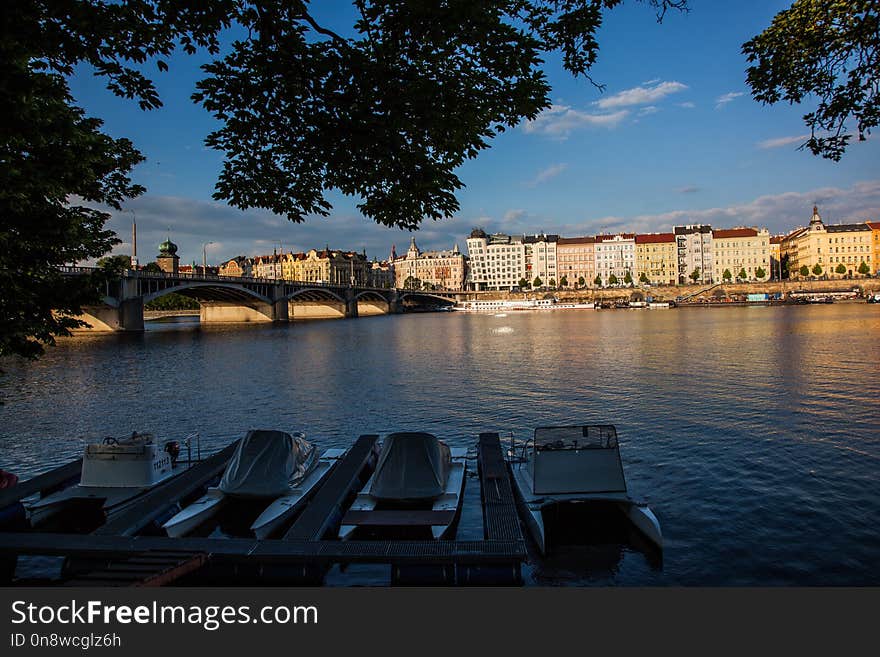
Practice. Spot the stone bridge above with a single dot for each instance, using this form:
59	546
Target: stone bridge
226	299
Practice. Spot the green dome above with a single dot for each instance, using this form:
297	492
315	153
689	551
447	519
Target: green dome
167	248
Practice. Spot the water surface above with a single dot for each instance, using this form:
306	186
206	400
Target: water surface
753	432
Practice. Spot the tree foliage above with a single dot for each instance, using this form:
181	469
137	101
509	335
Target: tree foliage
612	280
863	269
537	282
827	49
581	281
727	275
804	271
840	269
760	273
817	269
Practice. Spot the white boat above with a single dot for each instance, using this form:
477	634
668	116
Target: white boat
659	305
418	483
577	467
499	307
114	472
292	502
274	467
638	304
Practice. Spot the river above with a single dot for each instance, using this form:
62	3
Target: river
753	432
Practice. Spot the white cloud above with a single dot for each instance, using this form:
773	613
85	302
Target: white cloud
643	95
560	120
234	232
687	105
723	100
783	141
779	213
547	174
650	109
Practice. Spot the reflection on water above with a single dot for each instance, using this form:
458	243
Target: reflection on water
752	432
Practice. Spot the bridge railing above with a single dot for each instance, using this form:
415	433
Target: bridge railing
140	273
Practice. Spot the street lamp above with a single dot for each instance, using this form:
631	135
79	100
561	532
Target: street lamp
134	241
205	258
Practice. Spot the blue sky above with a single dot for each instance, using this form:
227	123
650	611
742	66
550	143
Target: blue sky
674	138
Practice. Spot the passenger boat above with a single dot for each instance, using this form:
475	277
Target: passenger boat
499	306
660	305
416	489
271	468
575	472
114	472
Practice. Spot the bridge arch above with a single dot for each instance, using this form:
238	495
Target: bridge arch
315	294
210	291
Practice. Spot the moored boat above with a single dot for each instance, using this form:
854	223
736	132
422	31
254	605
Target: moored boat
576	468
114	472
416	488
271	468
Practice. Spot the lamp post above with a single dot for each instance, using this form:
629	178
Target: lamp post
205	258
134	241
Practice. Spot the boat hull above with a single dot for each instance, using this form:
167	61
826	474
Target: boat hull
292	502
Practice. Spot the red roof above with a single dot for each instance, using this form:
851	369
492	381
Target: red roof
777	239
576	240
606	238
734	232
875	225
655	238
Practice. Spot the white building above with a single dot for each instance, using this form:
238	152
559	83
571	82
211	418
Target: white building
497	262
541	258
615	255
694	245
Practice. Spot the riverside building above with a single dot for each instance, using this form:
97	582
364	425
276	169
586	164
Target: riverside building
741	251
576	261
445	270
832	251
656	258
496	262
615	256
541	258
694	252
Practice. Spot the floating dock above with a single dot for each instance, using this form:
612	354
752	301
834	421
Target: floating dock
123	553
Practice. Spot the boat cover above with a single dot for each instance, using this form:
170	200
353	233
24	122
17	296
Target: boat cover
411	466
265	463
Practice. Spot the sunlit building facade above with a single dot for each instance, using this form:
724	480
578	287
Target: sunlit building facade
739	251
656	258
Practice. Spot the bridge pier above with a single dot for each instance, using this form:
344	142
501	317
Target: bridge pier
223	312
127	316
351	303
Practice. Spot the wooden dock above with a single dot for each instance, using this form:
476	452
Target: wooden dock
118	555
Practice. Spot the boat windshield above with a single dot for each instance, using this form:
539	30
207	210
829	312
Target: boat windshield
578	459
590	436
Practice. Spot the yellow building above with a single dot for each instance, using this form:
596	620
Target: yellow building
875	246
445	270
834	251
238	266
738	251
333	267
657	258
776	257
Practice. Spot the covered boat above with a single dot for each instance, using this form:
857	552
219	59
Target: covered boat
267	465
418	483
575	468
